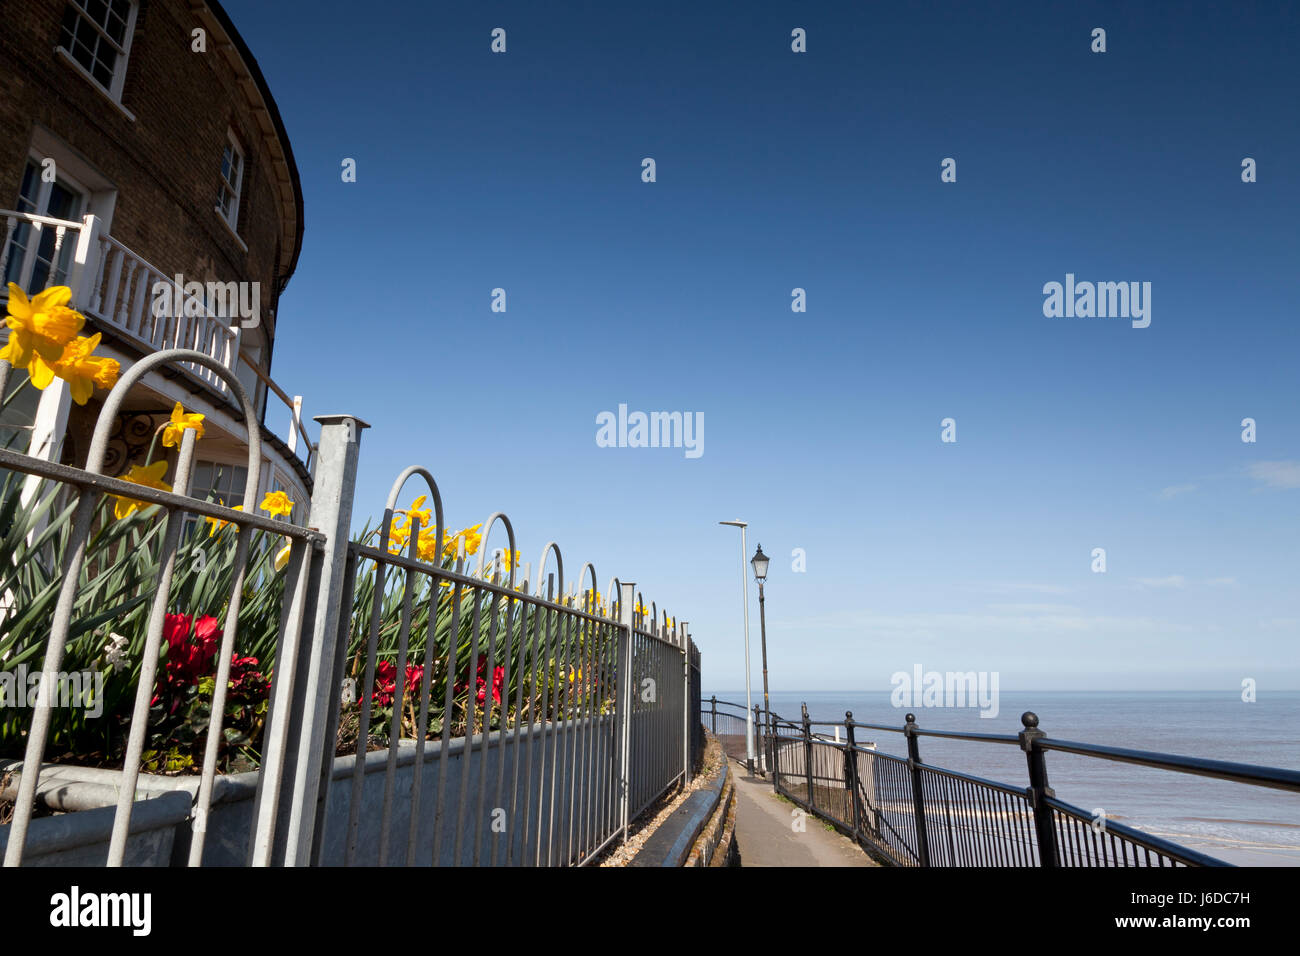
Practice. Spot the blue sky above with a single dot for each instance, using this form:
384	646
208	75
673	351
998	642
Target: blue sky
821	171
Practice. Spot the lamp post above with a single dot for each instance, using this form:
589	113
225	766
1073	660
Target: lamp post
760	562
744	591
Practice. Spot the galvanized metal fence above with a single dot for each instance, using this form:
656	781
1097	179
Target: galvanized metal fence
912	813
420	712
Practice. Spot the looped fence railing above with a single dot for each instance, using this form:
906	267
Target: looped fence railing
539	735
416	712
911	813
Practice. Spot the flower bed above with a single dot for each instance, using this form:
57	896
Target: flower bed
123	562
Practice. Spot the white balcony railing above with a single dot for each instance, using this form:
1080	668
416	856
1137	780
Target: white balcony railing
115	286
121	295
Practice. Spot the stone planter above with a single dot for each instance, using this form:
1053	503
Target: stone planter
85	800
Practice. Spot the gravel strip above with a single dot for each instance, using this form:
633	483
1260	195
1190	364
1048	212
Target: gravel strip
641	828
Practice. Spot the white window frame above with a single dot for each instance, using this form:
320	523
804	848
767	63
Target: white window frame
114	91
236	188
98	193
41	208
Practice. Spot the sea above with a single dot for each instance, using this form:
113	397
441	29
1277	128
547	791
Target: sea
1240	824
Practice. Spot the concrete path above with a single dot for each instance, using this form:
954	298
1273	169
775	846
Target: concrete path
765	833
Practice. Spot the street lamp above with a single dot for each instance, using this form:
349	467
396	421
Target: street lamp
744	591
760	562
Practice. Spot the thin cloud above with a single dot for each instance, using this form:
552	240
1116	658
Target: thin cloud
1171	581
1173	491
1005	587
1280	624
1276	474
1068	609
932	625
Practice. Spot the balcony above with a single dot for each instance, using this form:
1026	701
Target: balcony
113	287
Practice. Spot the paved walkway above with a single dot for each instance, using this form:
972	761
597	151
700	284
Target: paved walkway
765	834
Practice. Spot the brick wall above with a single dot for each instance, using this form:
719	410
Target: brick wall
166	164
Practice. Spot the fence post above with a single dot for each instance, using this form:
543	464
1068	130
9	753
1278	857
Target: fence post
697	705
684	644
918	800
758	729
314	698
851	772
808	757
1039	791
626	604
713	712
776	756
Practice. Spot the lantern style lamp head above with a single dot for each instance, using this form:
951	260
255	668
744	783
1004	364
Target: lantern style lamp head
759	561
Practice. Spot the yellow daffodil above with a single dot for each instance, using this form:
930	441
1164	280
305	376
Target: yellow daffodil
449	545
216	524
150	476
398	536
472	541
507	561
41	326
427	545
82	370
417	510
182	420
276	503
282	558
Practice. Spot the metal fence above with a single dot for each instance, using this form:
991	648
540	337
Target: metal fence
729	723
419	712
914	814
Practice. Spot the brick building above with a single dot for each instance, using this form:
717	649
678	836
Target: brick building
139	143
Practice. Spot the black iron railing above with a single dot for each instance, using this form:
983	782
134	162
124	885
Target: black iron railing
911	813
